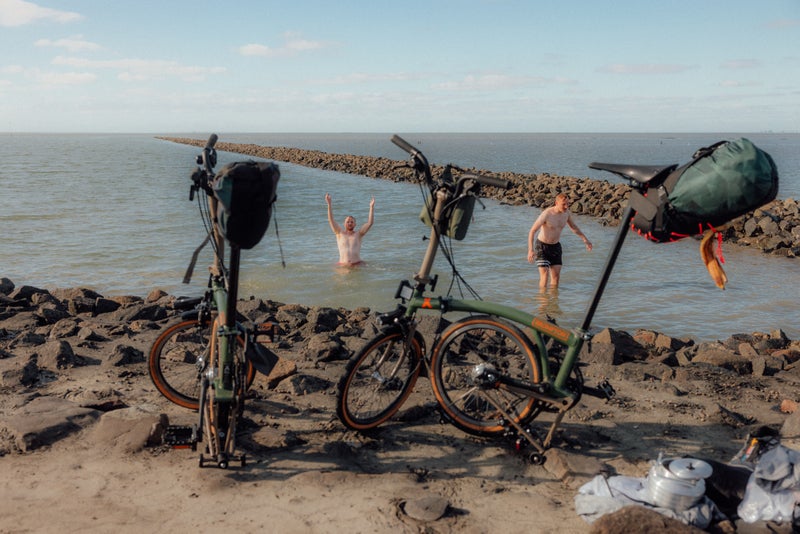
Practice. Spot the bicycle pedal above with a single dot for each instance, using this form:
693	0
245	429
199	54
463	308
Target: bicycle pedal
265	332
181	436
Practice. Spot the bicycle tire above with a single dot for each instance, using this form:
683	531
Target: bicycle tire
365	398
461	396
175	363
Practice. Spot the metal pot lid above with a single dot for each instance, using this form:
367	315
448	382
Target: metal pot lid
690	469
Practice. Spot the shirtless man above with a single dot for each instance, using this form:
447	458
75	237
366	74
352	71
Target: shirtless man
348	238
545	249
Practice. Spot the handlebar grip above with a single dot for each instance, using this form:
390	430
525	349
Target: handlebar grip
488	180
184	303
402	143
212	140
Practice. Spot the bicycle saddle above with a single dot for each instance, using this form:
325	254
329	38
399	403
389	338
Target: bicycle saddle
639	173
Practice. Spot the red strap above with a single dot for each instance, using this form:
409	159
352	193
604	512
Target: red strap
720	256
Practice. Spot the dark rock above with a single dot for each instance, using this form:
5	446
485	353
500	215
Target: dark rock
148	312
129	430
64	328
6	286
103	305
324	347
25	292
323	319
57	354
292	315
303	385
45	420
640	520
24	373
124	355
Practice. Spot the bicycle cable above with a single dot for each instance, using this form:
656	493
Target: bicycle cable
445	245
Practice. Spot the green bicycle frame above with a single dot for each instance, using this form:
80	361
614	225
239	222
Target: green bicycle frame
537	327
227	331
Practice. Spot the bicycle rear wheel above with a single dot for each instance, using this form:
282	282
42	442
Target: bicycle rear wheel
178	357
378	380
468	402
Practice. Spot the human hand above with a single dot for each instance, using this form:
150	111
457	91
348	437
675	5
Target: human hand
328	198
372	203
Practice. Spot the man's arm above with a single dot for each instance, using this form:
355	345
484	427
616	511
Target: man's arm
334	226
371	219
532	235
577	231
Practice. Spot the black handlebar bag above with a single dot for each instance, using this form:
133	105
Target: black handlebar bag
246	191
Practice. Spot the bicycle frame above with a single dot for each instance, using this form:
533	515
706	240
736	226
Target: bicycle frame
233	353
538	327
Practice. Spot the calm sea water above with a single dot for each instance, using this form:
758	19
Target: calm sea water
111	212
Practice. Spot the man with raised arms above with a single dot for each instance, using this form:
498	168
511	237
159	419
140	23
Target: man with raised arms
348	238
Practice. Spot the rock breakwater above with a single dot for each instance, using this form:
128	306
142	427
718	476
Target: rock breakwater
773	229
46	334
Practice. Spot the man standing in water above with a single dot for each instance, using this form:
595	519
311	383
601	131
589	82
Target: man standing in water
348	238
545	249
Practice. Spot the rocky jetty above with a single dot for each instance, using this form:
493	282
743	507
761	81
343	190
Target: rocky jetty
79	416
774	228
46	334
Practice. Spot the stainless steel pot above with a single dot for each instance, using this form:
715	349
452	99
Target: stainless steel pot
677	483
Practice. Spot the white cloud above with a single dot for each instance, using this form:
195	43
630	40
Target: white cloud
736	83
65	78
131	70
291	46
363	77
72	44
494	82
784	23
20	13
741	64
644	68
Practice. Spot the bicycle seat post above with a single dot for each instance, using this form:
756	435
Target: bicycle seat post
624	225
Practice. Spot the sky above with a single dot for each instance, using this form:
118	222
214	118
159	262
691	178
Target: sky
112	66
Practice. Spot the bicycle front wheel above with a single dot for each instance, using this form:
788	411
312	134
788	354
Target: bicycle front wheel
379	379
469	346
177	359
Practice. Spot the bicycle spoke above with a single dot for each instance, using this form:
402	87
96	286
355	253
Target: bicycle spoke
466	364
377	381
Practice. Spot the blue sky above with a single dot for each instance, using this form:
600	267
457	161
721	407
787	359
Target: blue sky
408	65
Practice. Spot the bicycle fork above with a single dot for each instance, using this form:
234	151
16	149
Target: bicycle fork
219	404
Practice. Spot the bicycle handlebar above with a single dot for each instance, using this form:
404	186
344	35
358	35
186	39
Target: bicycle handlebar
486	180
421	165
203	174
405	145
212	140
210	155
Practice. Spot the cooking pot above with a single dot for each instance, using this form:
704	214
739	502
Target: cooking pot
677	483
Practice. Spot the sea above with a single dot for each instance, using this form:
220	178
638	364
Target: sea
111	212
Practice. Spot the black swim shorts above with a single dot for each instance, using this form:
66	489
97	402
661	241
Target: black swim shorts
546	254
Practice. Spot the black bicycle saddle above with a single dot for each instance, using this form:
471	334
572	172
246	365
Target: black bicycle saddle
639	173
